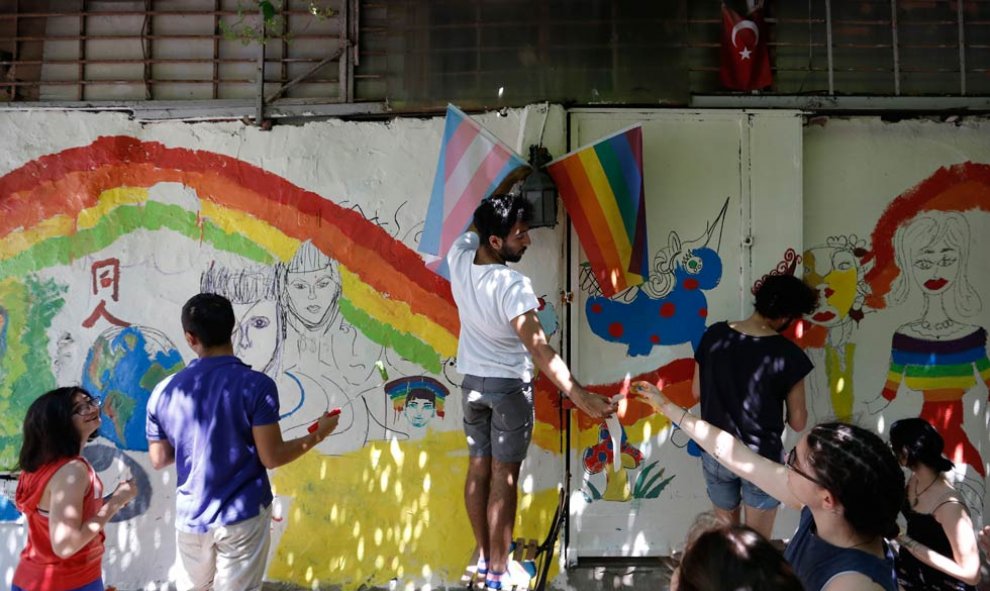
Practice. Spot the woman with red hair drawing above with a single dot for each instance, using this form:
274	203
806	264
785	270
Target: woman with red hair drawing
938	355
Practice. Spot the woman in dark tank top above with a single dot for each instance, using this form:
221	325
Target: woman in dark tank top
939	549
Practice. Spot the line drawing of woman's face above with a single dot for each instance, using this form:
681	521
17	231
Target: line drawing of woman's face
256	332
935	266
931	251
312	295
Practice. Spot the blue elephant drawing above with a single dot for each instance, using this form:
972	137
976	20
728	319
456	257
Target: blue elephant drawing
671	307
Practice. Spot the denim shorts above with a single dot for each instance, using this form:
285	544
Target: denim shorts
725	489
498	417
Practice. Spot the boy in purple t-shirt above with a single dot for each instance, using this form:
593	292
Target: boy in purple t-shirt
217	420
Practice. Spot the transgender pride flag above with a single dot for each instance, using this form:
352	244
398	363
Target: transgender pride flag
472	164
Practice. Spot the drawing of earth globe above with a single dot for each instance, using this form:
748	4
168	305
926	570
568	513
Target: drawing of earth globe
122	368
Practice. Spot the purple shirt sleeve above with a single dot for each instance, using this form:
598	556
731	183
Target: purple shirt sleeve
265	411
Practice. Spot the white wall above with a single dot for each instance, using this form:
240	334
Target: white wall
369	510
396	511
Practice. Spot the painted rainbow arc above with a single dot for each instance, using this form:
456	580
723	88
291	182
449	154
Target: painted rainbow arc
78	201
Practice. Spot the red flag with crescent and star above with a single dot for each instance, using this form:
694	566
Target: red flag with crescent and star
745	58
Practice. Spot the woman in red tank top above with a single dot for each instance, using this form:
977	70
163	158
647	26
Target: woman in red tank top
62	497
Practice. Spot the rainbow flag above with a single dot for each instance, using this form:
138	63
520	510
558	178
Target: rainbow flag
601	186
472	164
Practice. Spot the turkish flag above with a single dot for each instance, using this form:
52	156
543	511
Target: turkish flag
745	58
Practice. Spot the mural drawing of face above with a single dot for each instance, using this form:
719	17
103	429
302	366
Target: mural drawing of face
256	333
419	398
935	266
312	287
259	324
420	407
312	295
835	271
931	252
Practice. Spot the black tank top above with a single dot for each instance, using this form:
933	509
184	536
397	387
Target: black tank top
916	575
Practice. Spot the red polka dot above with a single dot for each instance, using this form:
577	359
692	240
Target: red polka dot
615	329
655	339
690	283
667	310
703	312
596	308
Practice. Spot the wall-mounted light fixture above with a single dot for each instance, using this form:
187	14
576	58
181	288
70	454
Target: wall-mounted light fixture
540	190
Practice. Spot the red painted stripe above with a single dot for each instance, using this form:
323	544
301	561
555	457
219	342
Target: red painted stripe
579	217
67	182
458	144
600	234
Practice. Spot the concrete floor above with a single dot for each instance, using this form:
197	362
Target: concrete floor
608	575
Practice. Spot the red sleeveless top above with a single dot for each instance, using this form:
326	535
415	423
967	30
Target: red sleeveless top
40	569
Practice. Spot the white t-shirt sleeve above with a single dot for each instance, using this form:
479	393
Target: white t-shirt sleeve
519	298
467	241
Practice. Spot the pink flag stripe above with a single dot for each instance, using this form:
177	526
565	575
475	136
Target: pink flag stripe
462	138
467	169
465	204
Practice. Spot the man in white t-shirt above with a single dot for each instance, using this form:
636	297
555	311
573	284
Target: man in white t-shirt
501	338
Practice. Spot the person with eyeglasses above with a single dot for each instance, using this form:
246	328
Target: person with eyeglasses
845	481
61	496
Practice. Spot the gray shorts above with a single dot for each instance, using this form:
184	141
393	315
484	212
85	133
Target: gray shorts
498	417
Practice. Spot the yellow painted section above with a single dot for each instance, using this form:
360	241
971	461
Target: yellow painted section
839	369
391	510
17	242
546	437
262	233
397	314
646	429
108	201
961	383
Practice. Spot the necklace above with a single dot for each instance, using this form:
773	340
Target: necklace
917	494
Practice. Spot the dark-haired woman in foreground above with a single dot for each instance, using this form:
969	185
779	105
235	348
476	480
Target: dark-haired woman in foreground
733	557
62	497
939	550
844	479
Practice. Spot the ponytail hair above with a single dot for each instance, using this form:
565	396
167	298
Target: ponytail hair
915	441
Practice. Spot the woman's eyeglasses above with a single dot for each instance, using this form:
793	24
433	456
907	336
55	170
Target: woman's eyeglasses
792	464
86	406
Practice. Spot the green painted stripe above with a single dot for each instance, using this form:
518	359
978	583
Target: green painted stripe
613	172
44	301
940	371
406	345
153	216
